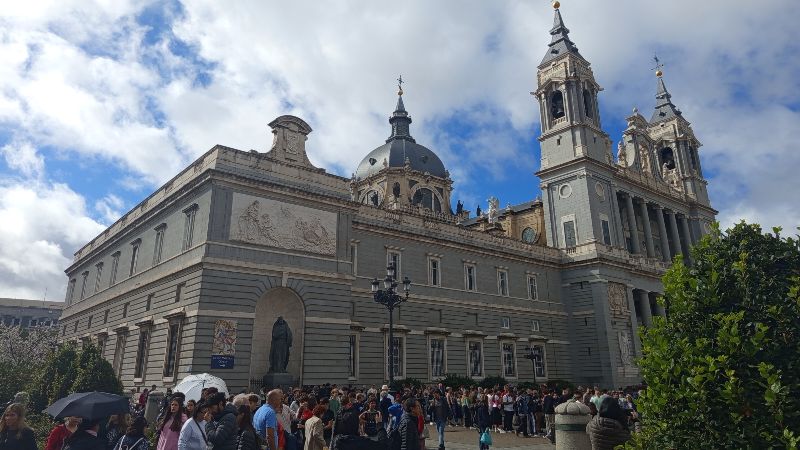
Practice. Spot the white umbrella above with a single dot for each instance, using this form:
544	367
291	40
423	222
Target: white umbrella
193	385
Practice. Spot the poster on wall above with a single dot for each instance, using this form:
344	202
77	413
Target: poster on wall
223	346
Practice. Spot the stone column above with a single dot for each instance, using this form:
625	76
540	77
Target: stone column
618	231
644	305
631	300
687	239
648	234
571	420
662	231
673	229
632	223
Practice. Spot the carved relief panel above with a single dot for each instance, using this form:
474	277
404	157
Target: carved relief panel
273	223
618	299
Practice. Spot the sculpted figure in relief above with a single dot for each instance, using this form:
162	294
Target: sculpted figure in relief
622	157
617	298
645	158
625	348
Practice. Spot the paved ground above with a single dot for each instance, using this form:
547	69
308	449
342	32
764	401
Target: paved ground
459	438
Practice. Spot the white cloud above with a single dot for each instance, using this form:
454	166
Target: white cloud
22	156
110	208
40	224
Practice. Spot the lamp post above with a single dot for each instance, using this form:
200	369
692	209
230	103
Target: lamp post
390	298
534	353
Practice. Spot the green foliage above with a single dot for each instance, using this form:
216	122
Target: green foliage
41	424
560	385
492	382
70	370
21	353
399	385
456	381
723	369
94	373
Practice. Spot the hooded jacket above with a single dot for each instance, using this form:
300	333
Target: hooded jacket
222	432
606	430
409	433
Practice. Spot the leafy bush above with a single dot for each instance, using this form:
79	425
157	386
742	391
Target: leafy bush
22	351
94	373
456	381
560	385
723	368
399	385
491	382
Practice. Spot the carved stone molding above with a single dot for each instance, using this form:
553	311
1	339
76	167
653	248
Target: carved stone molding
618	299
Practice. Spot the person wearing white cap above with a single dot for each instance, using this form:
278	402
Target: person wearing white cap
386	389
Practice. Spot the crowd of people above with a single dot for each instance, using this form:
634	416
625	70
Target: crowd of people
340	418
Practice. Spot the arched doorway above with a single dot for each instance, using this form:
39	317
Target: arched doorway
277	302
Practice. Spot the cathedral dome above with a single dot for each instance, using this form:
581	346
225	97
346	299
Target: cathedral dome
399	149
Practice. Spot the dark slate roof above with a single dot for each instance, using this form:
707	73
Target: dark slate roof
665	110
560	44
399	146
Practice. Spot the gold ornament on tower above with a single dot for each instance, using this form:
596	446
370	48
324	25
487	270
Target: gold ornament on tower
556	4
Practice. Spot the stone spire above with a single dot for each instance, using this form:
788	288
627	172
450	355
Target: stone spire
560	43
400	120
665	109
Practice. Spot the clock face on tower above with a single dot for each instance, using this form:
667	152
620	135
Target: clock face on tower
529	235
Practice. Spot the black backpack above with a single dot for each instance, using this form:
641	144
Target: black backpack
394	439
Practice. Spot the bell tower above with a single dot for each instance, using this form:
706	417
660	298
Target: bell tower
567	95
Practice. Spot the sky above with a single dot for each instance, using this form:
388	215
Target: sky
102	101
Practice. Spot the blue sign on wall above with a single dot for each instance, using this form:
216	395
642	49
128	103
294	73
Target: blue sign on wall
221	362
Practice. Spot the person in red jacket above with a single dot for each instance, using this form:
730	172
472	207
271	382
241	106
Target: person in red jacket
55	440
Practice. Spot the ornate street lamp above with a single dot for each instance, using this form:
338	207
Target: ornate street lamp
390	298
534	353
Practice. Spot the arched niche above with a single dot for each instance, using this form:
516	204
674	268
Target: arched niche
286	303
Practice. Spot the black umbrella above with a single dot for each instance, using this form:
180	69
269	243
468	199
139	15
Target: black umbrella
89	405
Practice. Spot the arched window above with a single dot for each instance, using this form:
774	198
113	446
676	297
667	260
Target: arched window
667	158
587	103
424	197
693	158
557	105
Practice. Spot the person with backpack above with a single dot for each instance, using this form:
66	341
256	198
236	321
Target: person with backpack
247	439
86	438
483	421
115	429
193	432
134	438
221	431
408	428
522	411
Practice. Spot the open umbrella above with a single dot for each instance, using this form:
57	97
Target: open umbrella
89	405
193	385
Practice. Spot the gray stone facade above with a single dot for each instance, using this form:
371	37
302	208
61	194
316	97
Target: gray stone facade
29	313
199	271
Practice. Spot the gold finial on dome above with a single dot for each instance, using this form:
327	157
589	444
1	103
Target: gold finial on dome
556	4
659	73
400	85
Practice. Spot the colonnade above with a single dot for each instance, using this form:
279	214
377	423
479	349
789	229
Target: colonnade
673	228
647	306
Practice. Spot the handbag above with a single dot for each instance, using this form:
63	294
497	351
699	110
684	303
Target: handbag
486	438
425	433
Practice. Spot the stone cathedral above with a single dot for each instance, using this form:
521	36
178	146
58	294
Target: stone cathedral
194	277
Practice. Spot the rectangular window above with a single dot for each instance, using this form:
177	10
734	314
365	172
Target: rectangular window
119	352
352	356
89	322
606	231
393	259
141	354
569	234
74	328
437	357
159	244
475	356
538	359
114	266
99	268
397	356
101	345
502	282
533	289
105	317
535	325
70	291
188	226
469	277
125	310
84	277
433	272
134	256
509	362
148	303
354	258
173	340
505	322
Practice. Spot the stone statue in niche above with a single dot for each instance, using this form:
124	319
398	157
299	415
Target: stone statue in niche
494	208
396	190
644	158
622	157
625	348
459	208
478	211
671	176
281	343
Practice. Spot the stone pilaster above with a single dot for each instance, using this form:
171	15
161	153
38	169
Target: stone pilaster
662	231
648	234
635	247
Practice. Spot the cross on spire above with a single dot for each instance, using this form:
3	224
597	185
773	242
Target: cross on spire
400	85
